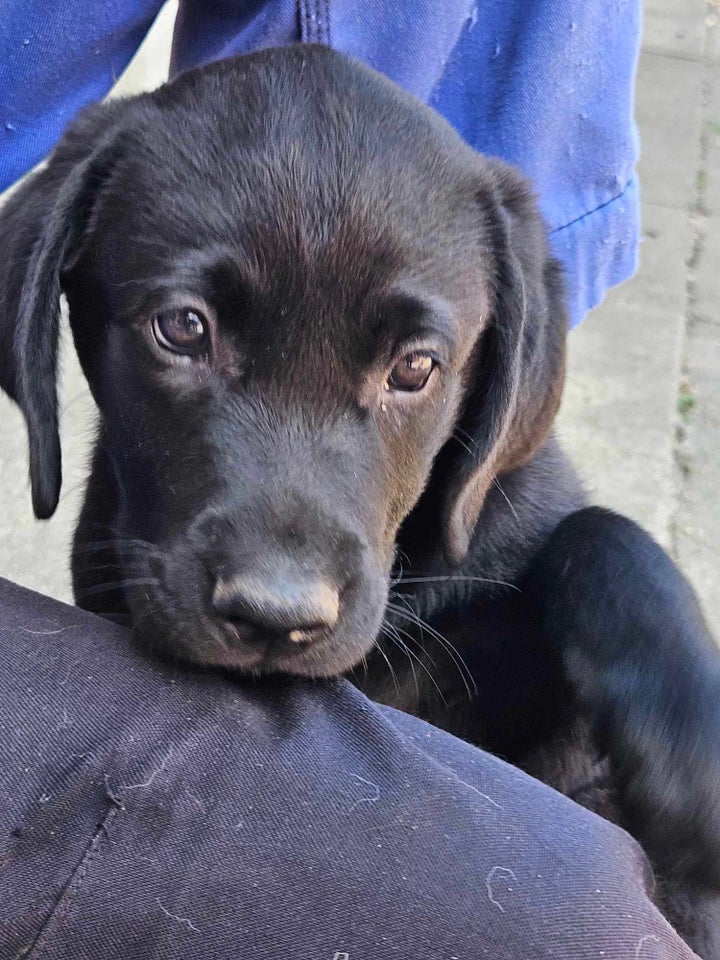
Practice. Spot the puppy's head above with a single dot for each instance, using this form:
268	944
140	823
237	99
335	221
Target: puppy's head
289	285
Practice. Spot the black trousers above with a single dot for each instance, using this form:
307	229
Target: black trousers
149	810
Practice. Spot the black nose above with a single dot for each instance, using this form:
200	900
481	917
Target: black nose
299	611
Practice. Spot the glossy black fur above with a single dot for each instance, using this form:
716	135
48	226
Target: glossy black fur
323	217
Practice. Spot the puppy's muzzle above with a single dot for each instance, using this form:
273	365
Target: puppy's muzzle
281	606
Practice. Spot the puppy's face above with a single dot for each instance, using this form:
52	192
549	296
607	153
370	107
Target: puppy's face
278	297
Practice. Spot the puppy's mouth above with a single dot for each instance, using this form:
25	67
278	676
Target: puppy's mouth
172	614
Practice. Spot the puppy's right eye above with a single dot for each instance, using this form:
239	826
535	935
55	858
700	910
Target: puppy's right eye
182	330
411	372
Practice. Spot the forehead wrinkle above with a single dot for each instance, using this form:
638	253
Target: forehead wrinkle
312	291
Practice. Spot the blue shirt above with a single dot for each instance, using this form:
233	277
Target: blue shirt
545	84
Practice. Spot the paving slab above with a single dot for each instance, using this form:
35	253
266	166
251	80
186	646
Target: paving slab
151	64
674	28
669	117
621	393
706	274
35	553
666	243
712	33
697	519
711	142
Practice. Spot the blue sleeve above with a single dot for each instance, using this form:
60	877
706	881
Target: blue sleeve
55	57
544	84
548	85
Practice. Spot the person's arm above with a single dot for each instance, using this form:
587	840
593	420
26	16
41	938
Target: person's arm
153	809
54	59
547	85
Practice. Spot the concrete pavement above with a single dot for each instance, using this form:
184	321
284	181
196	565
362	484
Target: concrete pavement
641	415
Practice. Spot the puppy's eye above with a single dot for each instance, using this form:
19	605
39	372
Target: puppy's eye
182	330
411	373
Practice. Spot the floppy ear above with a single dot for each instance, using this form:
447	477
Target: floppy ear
515	385
40	225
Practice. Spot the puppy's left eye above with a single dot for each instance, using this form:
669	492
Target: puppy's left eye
182	330
411	372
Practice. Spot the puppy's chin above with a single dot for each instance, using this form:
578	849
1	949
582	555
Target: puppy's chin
208	648
187	634
332	661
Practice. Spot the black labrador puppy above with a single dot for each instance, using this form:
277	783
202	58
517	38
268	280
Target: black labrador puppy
326	340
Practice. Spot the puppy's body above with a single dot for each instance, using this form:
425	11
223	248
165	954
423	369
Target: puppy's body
326	340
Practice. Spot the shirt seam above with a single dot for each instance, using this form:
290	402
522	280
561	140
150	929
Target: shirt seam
589	213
